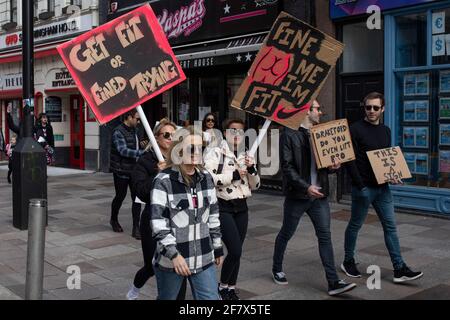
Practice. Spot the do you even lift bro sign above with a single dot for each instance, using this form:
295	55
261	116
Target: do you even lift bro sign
123	63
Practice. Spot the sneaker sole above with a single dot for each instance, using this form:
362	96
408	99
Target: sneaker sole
348	274
278	282
405	279
347	288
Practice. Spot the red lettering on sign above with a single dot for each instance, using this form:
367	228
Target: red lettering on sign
11	39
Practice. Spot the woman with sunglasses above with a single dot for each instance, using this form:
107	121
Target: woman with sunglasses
210	134
142	178
185	222
234	175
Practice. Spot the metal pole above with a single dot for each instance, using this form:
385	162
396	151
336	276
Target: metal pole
28	66
36	247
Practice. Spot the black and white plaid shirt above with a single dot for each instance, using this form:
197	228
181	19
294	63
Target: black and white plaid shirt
179	226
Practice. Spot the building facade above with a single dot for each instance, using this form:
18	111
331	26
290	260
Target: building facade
407	58
56	21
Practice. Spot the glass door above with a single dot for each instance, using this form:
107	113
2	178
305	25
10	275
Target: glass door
76	132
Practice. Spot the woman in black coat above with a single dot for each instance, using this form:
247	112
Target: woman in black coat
142	177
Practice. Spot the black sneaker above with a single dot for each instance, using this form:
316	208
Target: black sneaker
339	287
224	293
279	278
349	268
232	295
136	233
406	274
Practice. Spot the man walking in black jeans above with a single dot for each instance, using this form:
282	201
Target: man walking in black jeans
306	190
125	152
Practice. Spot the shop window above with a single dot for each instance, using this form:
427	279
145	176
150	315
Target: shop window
182	99
363	48
411	39
233	84
441	36
208	99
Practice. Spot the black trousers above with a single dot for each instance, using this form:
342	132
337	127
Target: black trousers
121	185
233	226
148	250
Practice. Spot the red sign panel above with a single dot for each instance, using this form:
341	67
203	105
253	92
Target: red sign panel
123	63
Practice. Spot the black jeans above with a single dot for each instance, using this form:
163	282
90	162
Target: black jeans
319	212
148	250
121	185
233	226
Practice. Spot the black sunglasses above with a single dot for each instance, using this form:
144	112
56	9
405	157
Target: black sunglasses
166	135
370	107
210	120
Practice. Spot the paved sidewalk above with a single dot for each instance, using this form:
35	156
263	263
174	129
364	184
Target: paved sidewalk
79	233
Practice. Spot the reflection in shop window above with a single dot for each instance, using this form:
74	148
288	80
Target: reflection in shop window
411	39
440	39
233	84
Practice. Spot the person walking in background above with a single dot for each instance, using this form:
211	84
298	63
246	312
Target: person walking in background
125	151
234	175
209	127
43	133
9	153
185	222
142	177
370	134
306	189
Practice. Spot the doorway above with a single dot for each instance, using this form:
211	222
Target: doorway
76	132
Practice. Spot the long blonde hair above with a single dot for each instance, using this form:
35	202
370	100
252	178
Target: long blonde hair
176	151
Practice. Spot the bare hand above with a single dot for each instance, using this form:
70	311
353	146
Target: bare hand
219	261
162	165
243	173
180	266
396	181
313	192
249	161
336	165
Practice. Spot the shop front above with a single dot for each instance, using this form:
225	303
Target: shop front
416	83
215	42
76	132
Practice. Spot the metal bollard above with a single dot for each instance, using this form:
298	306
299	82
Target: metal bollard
37	215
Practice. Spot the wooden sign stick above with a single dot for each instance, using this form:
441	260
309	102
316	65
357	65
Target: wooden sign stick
261	135
150	133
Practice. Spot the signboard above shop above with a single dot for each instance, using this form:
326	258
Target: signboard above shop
187	21
348	8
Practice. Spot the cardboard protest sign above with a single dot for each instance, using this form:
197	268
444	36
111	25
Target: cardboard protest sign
121	64
388	164
288	72
332	141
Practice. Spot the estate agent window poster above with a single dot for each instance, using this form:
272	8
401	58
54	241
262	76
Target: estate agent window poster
444	161
444	81
444	108
415	110
415	137
444	134
416	84
417	162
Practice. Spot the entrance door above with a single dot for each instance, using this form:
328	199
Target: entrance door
353	90
76	132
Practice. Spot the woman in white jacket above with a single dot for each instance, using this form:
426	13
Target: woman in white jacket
234	175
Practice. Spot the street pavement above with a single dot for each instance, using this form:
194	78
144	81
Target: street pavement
78	233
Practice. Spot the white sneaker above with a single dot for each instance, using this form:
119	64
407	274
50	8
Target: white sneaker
133	294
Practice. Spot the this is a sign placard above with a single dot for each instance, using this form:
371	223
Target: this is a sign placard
288	72
332	142
121	64
388	164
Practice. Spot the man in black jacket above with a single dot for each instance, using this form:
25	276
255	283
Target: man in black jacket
306	190
125	151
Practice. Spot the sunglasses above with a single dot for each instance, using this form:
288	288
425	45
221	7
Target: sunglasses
194	148
210	120
236	132
370	107
167	135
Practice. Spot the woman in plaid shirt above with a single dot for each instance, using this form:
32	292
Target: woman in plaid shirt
185	222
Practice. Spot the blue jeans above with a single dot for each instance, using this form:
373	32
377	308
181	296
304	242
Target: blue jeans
203	284
319	212
381	200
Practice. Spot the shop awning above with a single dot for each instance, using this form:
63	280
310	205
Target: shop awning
226	51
